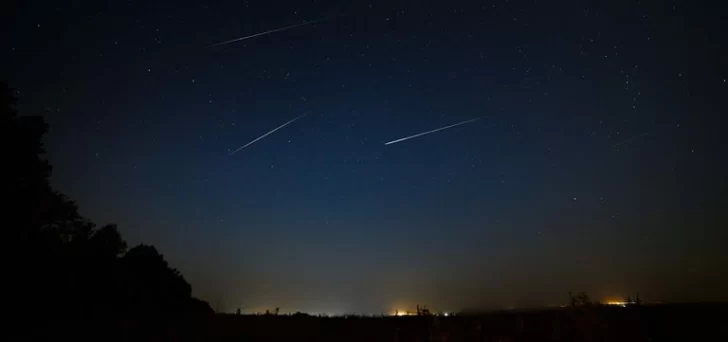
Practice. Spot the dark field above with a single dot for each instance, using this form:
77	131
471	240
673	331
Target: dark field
694	322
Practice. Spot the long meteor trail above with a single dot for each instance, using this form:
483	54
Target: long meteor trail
430	132
267	134
267	32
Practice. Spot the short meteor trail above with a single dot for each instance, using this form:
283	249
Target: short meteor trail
267	32
432	131
269	133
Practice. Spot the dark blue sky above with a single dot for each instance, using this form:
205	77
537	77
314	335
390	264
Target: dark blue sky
598	162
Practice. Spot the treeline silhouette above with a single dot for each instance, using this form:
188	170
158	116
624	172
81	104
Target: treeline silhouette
60	264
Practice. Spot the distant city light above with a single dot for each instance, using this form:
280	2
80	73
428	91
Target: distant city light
401	313
616	303
445	314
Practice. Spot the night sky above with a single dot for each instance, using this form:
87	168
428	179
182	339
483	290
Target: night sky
598	162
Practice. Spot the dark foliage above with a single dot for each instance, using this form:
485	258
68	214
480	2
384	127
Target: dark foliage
580	299
61	264
152	287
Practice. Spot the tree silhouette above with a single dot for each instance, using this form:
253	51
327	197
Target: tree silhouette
35	205
40	220
580	299
61	260
152	286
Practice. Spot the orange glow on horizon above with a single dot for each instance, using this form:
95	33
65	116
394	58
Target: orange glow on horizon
616	301
400	313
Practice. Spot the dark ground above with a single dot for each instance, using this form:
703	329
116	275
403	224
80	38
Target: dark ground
684	322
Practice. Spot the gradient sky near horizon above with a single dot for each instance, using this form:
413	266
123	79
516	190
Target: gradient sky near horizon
598	163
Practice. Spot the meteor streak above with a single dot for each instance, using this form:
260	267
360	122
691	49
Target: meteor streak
267	134
432	131
267	32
